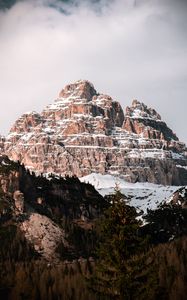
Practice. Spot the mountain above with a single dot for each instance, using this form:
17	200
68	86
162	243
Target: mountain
85	132
53	214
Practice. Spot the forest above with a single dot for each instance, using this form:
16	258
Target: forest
112	253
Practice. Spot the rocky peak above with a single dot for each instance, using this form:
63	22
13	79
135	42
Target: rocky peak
81	88
80	108
26	122
84	131
139	110
146	121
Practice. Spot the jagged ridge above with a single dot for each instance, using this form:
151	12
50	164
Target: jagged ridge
84	132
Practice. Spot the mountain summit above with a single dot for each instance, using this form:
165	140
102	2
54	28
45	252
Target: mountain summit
84	131
146	121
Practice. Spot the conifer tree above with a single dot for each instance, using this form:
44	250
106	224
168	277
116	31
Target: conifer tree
123	270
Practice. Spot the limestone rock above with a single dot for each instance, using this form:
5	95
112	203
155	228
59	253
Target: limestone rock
179	198
85	132
147	122
44	234
19	201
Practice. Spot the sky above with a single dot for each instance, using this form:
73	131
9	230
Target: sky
129	49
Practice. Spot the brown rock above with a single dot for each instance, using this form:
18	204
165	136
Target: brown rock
84	132
147	122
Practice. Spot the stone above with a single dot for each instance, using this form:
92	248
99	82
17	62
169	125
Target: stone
179	198
19	202
85	132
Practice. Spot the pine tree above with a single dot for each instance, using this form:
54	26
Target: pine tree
123	270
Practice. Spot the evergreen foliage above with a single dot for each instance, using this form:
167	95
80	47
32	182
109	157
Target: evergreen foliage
165	223
123	269
126	267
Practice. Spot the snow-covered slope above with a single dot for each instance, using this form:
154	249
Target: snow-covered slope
141	195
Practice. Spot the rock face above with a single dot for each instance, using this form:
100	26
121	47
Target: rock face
179	197
19	202
147	123
44	234
84	132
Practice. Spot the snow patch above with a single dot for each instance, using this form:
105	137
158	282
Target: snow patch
142	195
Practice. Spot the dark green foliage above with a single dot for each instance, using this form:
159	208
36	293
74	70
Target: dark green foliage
64	200
5	208
62	196
14	244
37	280
126	264
123	270
7	165
172	260
84	241
165	223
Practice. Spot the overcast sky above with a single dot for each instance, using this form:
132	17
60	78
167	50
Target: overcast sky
128	49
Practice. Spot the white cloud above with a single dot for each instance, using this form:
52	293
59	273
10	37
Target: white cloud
127	51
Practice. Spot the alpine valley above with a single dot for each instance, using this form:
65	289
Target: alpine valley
59	172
